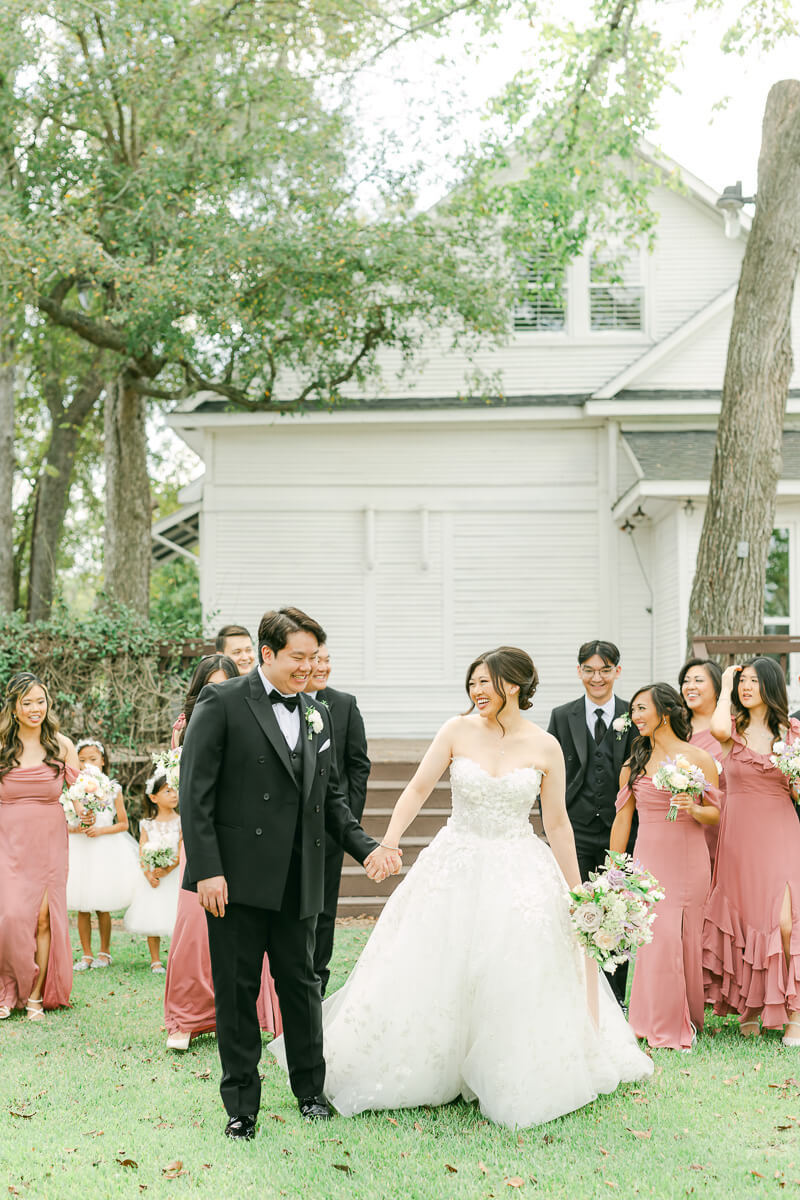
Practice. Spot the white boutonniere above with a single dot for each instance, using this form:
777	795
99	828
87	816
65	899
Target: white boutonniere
314	722
621	725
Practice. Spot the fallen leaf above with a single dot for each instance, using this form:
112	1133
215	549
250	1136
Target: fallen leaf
733	1079
758	1175
686	1072
696	1167
127	1162
609	1183
173	1170
520	1140
757	1067
602	1151
92	1053
449	1167
784	1126
418	1127
94	1133
275	1117
342	1167
515	1181
392	1120
644	1134
24	1115
202	1074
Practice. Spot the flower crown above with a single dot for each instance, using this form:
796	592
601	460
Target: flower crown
84	742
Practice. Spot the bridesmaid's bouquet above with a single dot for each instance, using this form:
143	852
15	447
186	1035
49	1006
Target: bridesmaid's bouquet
93	789
677	776
157	856
73	820
786	757
168	762
612	913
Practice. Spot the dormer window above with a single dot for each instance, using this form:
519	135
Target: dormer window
616	291
542	306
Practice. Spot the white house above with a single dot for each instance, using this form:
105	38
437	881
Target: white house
421	529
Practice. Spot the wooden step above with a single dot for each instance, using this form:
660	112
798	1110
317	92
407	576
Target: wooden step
428	821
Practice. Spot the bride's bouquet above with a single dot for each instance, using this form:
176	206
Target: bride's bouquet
93	789
157	856
168	762
677	776
786	757
613	912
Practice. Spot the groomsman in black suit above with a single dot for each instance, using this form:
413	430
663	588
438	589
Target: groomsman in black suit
350	745
594	751
259	791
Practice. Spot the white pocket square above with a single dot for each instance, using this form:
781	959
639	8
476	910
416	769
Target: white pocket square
324	746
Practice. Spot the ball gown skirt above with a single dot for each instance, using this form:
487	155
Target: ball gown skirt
758	858
33	861
153	909
103	871
667	989
472	983
189	990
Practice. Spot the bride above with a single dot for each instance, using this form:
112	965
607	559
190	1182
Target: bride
472	982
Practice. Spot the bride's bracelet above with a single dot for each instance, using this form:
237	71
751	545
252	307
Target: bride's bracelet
396	848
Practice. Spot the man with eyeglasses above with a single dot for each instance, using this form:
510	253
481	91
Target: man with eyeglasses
594	751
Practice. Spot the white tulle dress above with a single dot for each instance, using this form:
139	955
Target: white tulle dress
153	910
472	982
103	871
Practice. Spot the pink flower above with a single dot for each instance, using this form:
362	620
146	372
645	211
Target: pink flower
89	785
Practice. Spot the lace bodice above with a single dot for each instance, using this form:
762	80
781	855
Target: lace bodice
492	806
163	833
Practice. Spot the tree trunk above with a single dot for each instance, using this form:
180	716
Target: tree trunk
53	488
6	471
728	590
128	510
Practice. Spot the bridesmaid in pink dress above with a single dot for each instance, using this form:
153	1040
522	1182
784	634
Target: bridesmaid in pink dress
751	940
35	759
700	682
189	990
666	1005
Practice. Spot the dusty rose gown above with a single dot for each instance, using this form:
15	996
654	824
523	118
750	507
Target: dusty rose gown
705	739
189	989
757	859
34	859
667	991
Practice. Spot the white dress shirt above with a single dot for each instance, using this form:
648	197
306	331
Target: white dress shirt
288	721
591	713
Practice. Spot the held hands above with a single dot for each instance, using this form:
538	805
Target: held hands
383	861
684	803
213	894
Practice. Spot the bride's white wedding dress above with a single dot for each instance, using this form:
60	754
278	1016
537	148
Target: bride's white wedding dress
472	982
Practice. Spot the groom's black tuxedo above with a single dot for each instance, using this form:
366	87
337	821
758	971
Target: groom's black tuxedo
256	811
592	786
352	760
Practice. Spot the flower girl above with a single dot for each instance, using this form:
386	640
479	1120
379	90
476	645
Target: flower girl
155	900
102	868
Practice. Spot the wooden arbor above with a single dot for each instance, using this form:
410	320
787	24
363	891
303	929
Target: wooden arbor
732	649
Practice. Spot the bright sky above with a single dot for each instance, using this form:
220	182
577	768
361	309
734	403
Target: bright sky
718	147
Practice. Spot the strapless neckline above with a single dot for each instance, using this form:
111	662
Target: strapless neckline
488	774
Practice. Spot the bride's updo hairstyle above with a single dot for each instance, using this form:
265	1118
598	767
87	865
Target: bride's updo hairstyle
507	664
670	707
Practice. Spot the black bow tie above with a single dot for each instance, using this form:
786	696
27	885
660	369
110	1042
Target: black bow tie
291	702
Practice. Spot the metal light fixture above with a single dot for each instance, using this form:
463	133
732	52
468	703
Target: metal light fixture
688	506
731	203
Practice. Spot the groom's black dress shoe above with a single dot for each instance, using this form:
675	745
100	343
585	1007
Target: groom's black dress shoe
243	1127
314	1108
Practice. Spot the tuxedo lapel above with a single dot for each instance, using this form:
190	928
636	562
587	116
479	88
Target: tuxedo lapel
259	704
577	727
309	746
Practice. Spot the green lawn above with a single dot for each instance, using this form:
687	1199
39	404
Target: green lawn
93	1105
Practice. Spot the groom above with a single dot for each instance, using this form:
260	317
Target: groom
259	789
594	751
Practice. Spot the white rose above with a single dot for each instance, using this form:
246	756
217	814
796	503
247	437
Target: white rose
588	917
620	724
316	722
778	747
678	780
605	940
